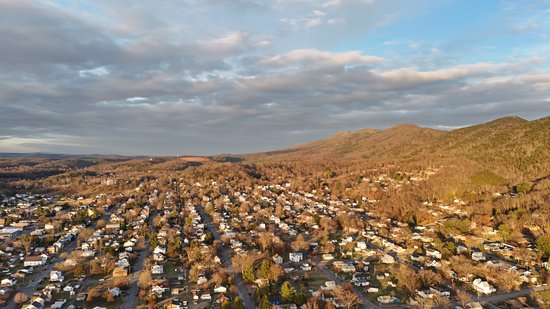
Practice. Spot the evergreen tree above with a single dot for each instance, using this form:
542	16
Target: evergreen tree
264	303
299	298
226	305
248	274
287	292
238	303
265	269
153	240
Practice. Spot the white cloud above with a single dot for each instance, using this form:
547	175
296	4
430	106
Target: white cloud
228	43
95	72
318	13
332	3
318	57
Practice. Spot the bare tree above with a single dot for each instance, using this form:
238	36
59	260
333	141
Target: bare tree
144	279
408	280
265	240
83	235
462	297
300	243
347	296
20	298
26	241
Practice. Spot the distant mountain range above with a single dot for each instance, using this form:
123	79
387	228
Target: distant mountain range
505	150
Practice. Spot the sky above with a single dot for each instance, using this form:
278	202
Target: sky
235	76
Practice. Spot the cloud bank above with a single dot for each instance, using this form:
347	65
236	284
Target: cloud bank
207	77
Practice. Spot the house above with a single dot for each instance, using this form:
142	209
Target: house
263	281
157	269
8	282
434	254
123	263
115	291
328	257
201	279
58	304
56	276
159	257
329	285
306	267
10	232
220	289
295	257
483	286
36	303
277	259
35	260
361	245
478	256
157	290
159	249
174	304
461	249
348	268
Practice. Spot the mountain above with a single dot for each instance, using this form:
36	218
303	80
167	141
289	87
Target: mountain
509	147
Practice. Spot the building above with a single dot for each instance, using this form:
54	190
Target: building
56	276
295	256
483	286
36	260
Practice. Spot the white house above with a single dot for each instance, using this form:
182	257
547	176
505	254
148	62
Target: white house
159	249
37	260
433	253
277	259
220	289
483	286
157	269
115	291
478	256
295	256
123	263
56	276
8	282
330	284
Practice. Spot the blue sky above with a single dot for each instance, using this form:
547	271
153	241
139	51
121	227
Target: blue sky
218	76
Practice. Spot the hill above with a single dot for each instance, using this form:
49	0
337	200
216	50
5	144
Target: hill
511	148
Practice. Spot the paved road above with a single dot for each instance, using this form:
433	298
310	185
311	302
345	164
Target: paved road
503	297
132	300
226	259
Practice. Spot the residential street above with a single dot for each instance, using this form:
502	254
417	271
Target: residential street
502	297
131	300
226	259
